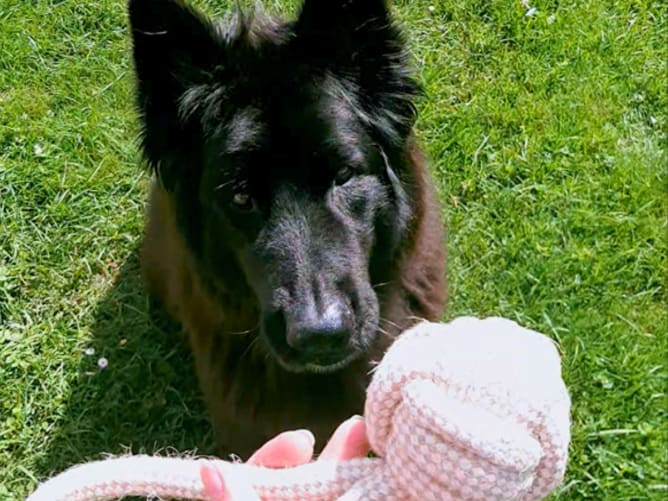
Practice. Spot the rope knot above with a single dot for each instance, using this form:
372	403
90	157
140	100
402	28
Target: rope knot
473	409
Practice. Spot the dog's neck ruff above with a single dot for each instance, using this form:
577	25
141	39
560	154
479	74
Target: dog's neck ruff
470	410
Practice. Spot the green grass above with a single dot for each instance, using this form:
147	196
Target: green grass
547	134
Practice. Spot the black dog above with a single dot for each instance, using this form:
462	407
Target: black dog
293	228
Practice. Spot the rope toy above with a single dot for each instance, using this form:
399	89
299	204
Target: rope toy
468	410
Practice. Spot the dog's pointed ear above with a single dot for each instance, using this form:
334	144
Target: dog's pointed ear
174	48
343	30
172	42
358	40
336	10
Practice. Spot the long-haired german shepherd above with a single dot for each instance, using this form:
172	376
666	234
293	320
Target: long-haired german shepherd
293	229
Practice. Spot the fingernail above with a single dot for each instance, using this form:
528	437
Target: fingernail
354	419
214	485
346	425
307	437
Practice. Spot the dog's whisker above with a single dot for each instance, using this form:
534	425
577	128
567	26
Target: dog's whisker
382	284
267	356
384	332
251	348
223	185
417	319
151	33
244	332
393	324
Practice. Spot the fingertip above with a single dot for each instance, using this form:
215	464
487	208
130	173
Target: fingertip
306	438
288	449
357	444
348	441
214	484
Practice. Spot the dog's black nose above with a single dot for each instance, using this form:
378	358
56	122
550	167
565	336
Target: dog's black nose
324	337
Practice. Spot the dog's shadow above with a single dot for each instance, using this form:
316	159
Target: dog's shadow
145	400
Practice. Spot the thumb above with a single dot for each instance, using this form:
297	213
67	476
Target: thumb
217	488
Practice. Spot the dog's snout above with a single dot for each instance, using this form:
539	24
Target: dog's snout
321	336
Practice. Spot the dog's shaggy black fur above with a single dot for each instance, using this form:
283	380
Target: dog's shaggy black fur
293	229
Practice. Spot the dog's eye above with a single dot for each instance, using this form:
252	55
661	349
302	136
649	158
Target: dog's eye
243	202
344	175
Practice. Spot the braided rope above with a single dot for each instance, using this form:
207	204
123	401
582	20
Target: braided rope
469	410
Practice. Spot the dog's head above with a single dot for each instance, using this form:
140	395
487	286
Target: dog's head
284	146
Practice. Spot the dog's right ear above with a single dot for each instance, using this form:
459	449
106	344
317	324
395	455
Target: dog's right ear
358	41
174	48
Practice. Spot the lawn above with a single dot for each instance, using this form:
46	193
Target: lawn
546	124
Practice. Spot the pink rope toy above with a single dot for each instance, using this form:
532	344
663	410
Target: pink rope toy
469	410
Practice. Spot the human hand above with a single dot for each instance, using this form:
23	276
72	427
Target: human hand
292	448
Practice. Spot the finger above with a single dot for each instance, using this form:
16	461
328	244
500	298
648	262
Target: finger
217	489
348	441
214	485
291	448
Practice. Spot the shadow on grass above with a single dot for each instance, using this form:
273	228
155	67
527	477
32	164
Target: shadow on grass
146	400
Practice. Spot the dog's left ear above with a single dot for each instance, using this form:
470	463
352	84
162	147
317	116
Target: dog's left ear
357	40
175	48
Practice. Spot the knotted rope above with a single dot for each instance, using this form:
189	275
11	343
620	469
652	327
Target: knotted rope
470	410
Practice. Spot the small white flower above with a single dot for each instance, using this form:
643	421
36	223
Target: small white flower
551	19
531	12
431	8
103	363
39	151
89	352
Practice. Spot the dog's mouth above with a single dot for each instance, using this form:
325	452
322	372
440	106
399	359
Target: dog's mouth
318	366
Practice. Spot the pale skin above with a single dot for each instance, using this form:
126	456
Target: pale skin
292	448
